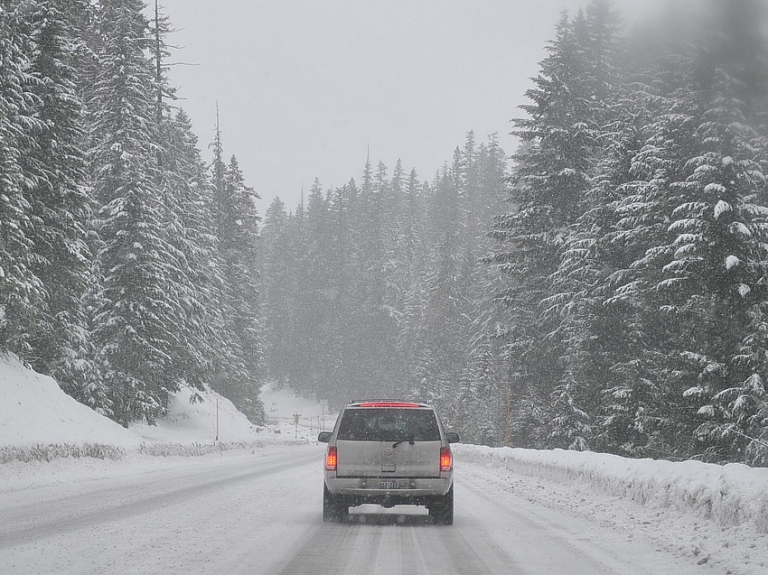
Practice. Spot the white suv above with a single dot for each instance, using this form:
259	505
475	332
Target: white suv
388	453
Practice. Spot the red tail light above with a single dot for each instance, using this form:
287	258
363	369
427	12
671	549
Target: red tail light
331	459
446	459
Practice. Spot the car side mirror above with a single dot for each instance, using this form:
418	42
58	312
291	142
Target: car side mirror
452	437
324	436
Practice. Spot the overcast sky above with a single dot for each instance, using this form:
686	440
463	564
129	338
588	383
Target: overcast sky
306	87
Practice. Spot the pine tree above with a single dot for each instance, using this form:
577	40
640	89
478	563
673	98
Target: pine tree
138	315
745	405
22	295
59	203
693	269
720	260
482	404
188	193
340	205
239	367
276	273
317	295
547	194
644	412
299	365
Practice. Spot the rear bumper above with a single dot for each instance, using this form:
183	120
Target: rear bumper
409	490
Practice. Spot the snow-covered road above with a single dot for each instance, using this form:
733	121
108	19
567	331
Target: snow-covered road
260	512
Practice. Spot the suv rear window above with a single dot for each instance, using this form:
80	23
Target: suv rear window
370	424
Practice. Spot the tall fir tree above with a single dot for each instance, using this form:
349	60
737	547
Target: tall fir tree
138	314
276	273
239	366
549	182
59	200
22	295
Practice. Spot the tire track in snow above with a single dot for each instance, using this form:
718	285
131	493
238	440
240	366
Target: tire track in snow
33	522
391	543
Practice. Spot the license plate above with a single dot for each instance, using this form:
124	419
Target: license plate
389	485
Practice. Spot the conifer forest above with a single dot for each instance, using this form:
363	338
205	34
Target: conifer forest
602	287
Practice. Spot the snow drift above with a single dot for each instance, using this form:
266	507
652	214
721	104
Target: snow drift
35	410
39	422
729	495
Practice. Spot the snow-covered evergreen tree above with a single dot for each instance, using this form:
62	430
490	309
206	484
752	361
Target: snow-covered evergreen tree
138	314
721	230
59	202
22	295
643	412
188	193
549	182
239	368
277	264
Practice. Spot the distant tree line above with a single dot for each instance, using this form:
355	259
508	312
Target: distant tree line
127	266
378	288
621	305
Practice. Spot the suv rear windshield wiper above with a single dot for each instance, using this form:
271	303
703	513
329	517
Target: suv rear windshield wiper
409	440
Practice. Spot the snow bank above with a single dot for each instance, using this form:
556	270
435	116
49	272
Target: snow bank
729	495
39	422
35	411
196	416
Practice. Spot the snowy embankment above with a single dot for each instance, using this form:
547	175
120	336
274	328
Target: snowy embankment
730	495
39	422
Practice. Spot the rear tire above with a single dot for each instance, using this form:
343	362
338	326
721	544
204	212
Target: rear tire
442	511
334	510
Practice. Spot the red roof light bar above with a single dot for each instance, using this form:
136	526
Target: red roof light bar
389	404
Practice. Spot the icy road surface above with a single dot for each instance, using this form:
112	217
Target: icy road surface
261	513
